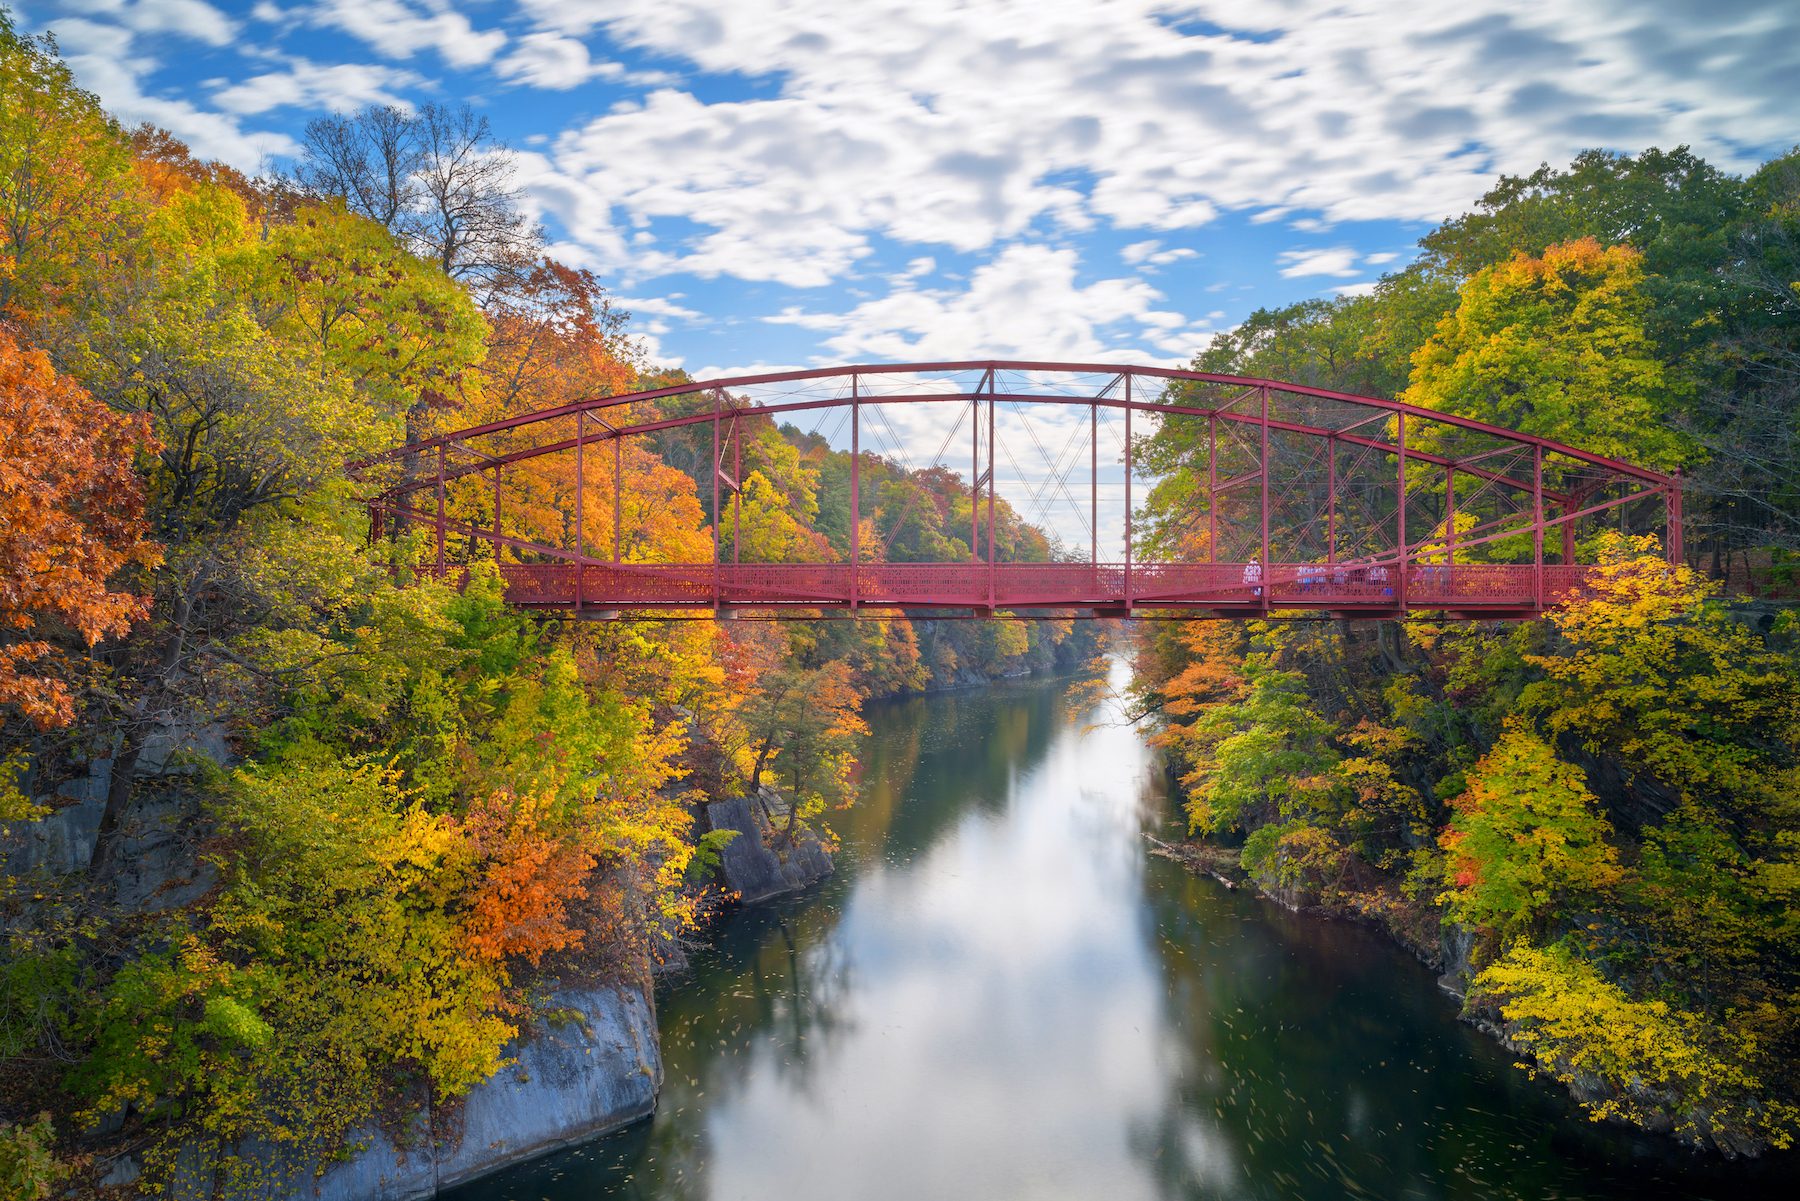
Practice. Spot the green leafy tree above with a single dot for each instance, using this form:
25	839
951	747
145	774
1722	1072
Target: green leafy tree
1269	756
1674	208
341	288
1528	839
1557	346
69	202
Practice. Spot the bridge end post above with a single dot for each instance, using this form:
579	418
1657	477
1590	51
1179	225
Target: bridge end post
718	399
855	492
1128	494
1537	526
993	403
440	511
1672	519
1400	555
580	504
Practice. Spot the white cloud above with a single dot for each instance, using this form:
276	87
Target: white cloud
341	87
398	29
1137	252
1151	254
550	60
850	135
183	18
1338	260
108	60
1026	303
660	306
938	123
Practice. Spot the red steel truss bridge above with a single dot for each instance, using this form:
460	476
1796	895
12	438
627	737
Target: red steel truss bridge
1288	497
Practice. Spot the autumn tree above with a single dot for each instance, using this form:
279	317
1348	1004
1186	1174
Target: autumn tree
798	724
1672	207
340	288
68	198
1556	346
1655	672
1705	1078
554	337
1268	756
1527	840
71	518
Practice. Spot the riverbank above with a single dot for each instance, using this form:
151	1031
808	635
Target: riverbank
1446	949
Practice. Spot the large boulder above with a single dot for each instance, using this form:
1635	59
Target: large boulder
761	862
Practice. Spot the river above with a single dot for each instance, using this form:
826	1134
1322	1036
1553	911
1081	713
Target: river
1001	996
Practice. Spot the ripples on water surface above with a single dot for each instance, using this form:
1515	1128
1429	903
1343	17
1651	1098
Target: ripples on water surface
1000	997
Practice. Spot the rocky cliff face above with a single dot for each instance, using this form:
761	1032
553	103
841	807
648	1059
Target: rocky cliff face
592	1066
159	868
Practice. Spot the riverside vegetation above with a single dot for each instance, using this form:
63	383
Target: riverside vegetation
351	818
1593	818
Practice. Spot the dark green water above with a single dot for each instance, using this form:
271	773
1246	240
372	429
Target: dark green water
1000	996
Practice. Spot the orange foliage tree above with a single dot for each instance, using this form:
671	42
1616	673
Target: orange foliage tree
71	515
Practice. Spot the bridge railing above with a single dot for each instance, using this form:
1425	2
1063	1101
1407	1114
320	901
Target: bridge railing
1107	586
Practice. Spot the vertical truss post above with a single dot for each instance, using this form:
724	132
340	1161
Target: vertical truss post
1268	572
855	492
1537	526
1568	532
1331	498
993	403
1672	520
1400	520
1449	515
737	484
1212	485
975	474
1094	486
1128	494
496	514
580	505
718	399
618	481
440	510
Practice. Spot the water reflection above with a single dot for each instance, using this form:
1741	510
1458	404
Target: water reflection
1000	997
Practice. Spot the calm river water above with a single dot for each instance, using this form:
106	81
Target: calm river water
1000	996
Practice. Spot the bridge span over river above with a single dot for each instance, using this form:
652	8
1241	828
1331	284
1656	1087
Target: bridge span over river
1293	497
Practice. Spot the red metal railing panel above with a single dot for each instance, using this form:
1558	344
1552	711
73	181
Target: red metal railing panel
1225	587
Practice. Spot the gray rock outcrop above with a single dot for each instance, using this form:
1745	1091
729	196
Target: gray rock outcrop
760	863
592	1066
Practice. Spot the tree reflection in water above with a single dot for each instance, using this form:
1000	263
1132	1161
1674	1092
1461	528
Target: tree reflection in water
999	996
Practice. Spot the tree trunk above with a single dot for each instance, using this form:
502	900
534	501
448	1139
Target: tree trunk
103	863
762	757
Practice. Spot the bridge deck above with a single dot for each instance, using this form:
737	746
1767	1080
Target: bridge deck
1486	589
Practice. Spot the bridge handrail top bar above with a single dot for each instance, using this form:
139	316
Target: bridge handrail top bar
994	365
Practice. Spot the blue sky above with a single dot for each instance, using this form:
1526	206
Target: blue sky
829	181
